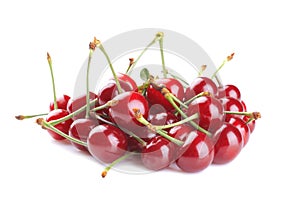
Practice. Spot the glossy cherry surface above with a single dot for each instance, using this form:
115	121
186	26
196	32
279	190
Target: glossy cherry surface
158	153
80	129
228	145
155	97
107	143
61	101
201	84
210	111
232	104
229	91
198	156
63	126
242	126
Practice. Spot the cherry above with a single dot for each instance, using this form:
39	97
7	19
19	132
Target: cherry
199	154
61	102
228	145
75	104
107	143
128	79
201	84
251	124
158	153
159	116
229	91
122	113
210	112
63	126
242	126
80	130
232	104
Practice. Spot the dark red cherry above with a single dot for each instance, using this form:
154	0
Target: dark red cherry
173	85
107	143
77	103
201	84
242	126
127	79
63	126
210	111
228	145
80	129
229	91
199	154
123	114
61	103
232	104
158	153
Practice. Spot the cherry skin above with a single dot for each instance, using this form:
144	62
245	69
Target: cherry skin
242	126
228	145
250	124
127	79
198	156
80	129
123	112
210	111
107	143
61	103
63	126
232	104
158	153
201	84
156	97
229	91
77	103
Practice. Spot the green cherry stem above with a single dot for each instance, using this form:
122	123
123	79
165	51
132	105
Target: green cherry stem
251	115
229	58
129	69
188	119
161	47
52	79
87	113
178	101
201	94
106	105
118	160
69	116
21	117
49	126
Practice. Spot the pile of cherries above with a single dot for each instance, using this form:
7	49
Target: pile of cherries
163	121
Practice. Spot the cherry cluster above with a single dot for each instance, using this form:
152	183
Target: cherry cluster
164	121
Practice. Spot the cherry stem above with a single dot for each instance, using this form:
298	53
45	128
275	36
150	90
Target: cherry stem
202	69
52	79
87	113
195	125
129	69
110	66
229	58
21	117
178	101
152	128
106	105
188	119
161	47
105	171
252	115
49	126
201	94
69	116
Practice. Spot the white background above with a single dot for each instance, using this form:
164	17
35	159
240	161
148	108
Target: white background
263	34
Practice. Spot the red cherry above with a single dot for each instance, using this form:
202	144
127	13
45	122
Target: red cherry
127	79
61	103
250	124
123	114
210	112
80	129
201	84
156	97
229	91
63	126
228	145
77	103
232	104
199	154
107	143
158	153
242	126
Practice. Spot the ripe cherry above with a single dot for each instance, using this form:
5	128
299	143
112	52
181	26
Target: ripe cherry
232	104
228	145
63	126
154	96
127	79
107	143
199	154
201	84
80	129
158	153
242	126
61	103
210	112
229	91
